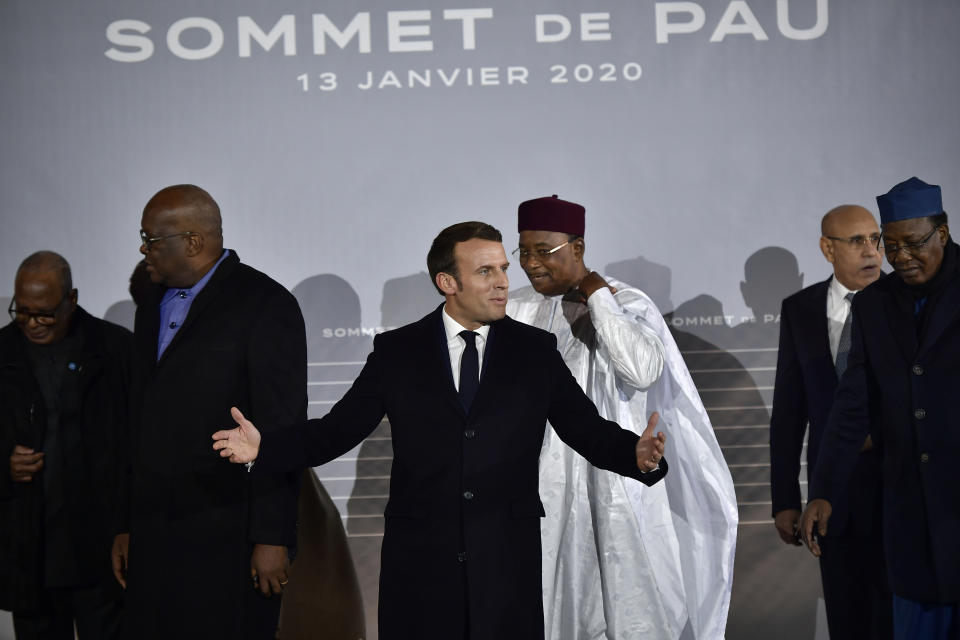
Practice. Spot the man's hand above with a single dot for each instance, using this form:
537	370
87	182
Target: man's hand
24	463
120	556
786	523
817	513
649	447
593	281
269	568
242	444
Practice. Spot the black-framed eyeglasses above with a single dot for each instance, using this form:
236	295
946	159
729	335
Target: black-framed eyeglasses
909	247
523	254
148	241
861	241
44	318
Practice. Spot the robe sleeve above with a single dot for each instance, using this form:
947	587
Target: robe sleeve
635	350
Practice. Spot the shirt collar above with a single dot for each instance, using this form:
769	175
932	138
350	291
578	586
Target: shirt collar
837	291
453	328
199	285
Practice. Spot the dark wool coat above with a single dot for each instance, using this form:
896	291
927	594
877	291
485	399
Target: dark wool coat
194	518
903	391
461	547
91	439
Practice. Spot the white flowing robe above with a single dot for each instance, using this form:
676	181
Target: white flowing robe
622	561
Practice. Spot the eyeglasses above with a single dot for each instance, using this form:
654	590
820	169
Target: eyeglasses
859	242
907	247
541	254
44	318
149	241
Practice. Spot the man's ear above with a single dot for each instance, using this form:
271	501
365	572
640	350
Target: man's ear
194	244
579	248
446	283
827	248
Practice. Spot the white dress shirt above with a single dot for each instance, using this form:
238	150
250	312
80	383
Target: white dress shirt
456	344
837	309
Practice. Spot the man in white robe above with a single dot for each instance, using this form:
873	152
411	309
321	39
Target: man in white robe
622	561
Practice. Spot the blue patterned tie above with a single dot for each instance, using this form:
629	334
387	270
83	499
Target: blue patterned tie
469	369
843	347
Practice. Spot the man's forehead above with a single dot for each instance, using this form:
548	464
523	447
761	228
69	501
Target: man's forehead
859	224
909	227
161	216
542	237
35	282
849	217
477	250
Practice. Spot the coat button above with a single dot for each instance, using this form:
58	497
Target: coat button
173	325
917	370
468	495
919	414
924	457
462	556
469	434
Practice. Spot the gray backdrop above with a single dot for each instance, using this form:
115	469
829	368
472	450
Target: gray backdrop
697	134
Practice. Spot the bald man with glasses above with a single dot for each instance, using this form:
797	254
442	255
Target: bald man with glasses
63	418
815	326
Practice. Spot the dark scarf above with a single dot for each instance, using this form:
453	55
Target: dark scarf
921	299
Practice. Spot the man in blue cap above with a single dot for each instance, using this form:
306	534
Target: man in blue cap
902	376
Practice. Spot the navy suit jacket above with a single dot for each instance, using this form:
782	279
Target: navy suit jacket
461	546
803	394
905	393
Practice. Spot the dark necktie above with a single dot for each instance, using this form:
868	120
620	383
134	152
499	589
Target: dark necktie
469	369
843	347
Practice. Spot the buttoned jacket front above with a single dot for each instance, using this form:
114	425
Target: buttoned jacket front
904	393
461	547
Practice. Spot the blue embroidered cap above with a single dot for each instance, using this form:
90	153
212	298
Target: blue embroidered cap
912	198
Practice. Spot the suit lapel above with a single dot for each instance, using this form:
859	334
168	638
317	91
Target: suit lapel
439	355
900	319
492	357
147	328
943	315
203	300
819	334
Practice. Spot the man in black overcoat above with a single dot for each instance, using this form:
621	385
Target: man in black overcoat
900	387
815	326
208	543
468	392
63	417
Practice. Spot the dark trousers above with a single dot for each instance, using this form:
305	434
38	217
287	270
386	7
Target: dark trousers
96	616
855	588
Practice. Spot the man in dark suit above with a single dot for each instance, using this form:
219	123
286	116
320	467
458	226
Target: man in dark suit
63	416
814	343
900	386
208	543
468	392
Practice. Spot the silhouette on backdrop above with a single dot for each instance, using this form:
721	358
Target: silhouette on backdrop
406	299
651	278
336	347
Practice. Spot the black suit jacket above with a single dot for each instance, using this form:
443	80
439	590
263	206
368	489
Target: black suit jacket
461	547
905	393
92	440
194	520
803	394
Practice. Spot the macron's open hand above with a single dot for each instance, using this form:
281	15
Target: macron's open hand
242	444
